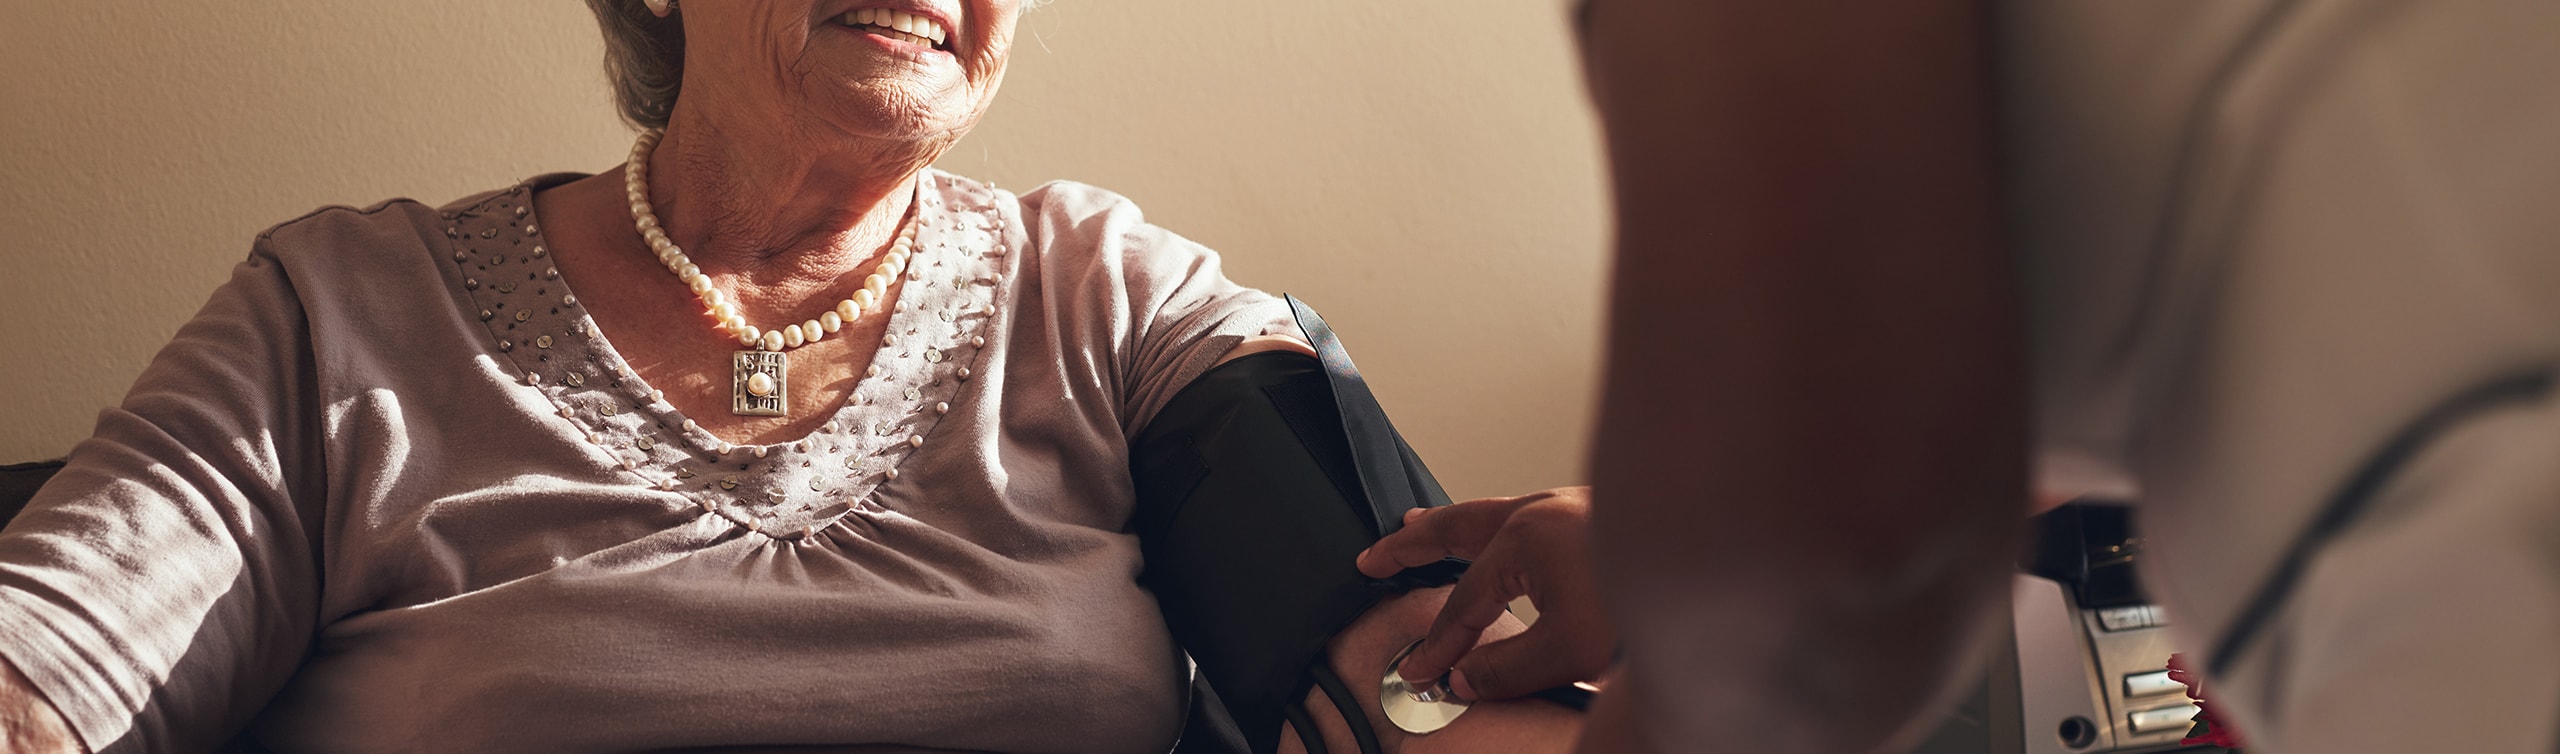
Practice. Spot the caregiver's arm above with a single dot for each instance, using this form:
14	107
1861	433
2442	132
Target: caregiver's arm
28	723
1809	464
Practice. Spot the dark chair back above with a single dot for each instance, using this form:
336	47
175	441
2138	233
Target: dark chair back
18	483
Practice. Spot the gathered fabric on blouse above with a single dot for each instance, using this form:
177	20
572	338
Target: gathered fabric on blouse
392	490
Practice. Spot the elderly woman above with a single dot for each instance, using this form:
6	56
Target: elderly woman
772	437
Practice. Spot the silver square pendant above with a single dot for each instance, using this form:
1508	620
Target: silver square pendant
758	383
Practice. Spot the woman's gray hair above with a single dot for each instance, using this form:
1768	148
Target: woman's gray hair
644	56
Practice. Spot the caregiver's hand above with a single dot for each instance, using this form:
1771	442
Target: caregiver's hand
1535	545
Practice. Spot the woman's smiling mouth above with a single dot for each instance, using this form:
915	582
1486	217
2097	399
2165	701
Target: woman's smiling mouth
912	28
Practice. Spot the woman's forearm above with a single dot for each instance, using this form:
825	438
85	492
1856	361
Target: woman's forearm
28	723
1810	458
1360	655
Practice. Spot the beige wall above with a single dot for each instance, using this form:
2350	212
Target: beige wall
1423	172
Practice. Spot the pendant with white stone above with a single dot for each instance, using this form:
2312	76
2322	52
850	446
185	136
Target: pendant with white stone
756	384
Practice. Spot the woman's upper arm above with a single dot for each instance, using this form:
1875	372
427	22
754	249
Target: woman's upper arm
163	584
1157	306
1266	343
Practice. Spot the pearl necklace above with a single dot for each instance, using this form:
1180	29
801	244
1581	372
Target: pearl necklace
760	375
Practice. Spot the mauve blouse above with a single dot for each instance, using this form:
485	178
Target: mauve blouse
391	490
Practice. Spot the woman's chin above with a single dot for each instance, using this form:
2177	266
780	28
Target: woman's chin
894	111
892	101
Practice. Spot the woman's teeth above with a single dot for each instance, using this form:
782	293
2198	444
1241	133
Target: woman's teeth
897	24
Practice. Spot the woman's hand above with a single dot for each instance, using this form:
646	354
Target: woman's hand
28	723
1535	546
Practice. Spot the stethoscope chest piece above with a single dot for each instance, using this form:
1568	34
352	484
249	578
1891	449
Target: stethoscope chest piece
1417	711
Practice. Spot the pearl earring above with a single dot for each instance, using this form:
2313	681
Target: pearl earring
660	7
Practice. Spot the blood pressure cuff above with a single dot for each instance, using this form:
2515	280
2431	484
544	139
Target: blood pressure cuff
1258	484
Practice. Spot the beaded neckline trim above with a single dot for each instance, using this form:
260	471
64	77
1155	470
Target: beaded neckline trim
795	490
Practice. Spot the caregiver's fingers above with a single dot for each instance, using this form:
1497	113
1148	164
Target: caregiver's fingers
1429	534
1551	653
1477	601
1541	551
1572	640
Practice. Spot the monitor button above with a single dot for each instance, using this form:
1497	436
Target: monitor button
2131	617
2154	682
2164	719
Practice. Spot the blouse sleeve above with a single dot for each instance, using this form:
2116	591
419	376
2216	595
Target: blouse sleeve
162	587
1164	307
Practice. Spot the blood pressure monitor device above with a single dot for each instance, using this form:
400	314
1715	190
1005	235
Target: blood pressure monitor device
2085	667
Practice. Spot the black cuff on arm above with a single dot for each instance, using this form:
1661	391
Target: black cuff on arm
1257	486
